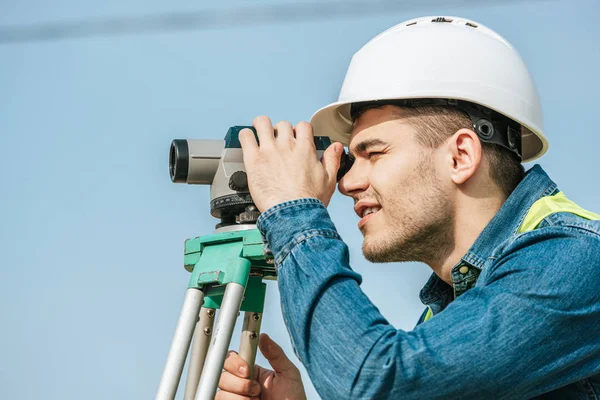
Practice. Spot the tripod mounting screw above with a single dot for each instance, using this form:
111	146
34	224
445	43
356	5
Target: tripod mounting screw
255	317
250	215
238	181
253	335
207	331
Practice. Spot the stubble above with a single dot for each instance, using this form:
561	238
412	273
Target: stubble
419	221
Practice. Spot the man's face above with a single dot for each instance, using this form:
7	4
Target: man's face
398	189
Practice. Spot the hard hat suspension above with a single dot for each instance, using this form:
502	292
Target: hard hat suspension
490	126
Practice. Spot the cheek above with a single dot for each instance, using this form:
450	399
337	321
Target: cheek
388	174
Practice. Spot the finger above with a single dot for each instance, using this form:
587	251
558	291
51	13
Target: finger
233	384
284	133
236	365
331	160
223	395
264	130
304	133
248	140
275	355
261	374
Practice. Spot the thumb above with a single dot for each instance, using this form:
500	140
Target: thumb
331	159
275	355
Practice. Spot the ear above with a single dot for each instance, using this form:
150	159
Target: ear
466	152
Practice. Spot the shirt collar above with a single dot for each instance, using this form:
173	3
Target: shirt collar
535	185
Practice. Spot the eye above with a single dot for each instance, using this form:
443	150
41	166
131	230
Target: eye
373	154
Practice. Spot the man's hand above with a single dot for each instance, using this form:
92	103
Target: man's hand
283	383
285	166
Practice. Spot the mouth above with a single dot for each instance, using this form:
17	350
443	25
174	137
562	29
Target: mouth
366	213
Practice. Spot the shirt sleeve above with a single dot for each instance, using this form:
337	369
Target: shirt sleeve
530	325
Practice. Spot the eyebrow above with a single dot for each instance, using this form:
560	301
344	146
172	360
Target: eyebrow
364	145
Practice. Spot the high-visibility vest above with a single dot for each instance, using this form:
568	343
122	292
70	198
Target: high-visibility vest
541	209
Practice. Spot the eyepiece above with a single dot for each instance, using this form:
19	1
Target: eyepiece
345	164
179	161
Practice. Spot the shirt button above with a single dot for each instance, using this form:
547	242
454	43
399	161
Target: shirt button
464	269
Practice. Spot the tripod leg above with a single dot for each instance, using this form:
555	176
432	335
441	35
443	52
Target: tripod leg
230	307
249	341
202	336
180	345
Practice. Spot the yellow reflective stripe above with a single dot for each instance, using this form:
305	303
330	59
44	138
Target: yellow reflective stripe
428	315
549	205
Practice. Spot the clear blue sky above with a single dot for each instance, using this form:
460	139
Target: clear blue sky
92	229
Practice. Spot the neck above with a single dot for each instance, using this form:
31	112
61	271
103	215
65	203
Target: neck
472	213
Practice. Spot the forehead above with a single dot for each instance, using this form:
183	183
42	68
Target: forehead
388	123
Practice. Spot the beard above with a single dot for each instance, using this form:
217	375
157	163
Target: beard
420	221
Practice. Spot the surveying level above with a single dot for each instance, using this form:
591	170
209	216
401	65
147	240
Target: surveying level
227	267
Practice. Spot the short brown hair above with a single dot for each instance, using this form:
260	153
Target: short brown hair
435	124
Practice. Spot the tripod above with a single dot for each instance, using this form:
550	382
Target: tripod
227	272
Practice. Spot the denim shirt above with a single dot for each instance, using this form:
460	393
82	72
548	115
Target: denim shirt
522	319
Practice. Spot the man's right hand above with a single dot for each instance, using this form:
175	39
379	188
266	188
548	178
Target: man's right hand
282	383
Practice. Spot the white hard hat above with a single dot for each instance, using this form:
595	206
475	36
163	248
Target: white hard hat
440	58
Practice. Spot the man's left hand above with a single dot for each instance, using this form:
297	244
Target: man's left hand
285	166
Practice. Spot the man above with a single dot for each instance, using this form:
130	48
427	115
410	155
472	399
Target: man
438	114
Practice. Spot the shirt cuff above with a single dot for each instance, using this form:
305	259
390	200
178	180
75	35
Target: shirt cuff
287	224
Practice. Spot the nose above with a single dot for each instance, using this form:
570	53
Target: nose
354	181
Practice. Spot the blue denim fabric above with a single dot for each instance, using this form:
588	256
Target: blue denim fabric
522	322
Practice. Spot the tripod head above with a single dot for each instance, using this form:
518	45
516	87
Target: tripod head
220	164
